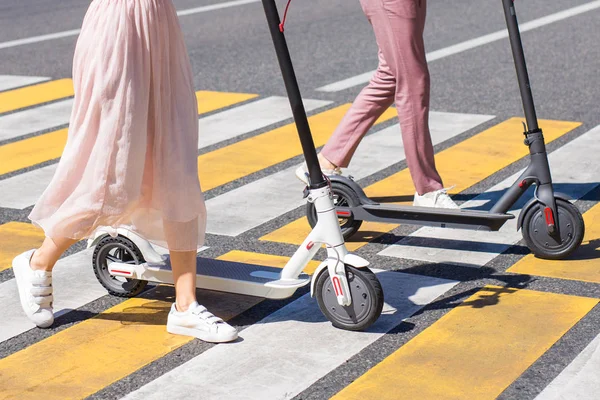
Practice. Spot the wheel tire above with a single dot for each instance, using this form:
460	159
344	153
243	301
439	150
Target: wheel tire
366	294
343	196
126	251
572	229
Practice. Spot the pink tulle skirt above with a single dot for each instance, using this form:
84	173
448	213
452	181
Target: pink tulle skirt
131	154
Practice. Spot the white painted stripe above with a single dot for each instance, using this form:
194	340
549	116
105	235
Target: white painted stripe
247	118
580	379
14	81
292	348
75	32
74	285
470	44
253	204
575	171
40	38
23	190
35	119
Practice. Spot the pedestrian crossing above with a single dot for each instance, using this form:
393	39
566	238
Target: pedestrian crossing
248	151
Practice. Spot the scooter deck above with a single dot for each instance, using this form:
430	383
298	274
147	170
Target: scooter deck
224	276
439	217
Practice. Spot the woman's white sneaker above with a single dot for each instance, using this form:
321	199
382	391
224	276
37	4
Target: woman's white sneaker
438	198
302	172
35	290
198	322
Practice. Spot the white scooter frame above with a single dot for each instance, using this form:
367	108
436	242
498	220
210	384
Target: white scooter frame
272	285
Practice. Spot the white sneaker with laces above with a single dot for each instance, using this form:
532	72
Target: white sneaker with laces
198	322
35	290
438	199
302	172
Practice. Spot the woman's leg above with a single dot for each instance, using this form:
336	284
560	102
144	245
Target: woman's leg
49	252
398	26
183	264
368	106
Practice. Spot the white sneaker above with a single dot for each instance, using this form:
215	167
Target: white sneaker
35	290
198	322
302	172
438	199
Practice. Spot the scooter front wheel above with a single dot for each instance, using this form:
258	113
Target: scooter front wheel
366	294
117	249
568	239
343	196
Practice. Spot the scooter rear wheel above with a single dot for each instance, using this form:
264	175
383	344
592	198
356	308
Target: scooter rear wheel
120	249
342	197
541	243
366	294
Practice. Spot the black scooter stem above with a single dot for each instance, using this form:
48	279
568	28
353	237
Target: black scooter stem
520	65
293	91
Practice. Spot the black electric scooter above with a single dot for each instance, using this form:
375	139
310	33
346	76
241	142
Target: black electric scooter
552	227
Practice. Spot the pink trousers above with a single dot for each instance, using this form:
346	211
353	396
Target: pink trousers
401	77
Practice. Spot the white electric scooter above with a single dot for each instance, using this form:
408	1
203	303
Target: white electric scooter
348	293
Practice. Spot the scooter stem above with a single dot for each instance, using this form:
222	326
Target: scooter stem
520	65
291	84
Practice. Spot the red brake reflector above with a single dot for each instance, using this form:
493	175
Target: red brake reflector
337	286
343	213
549	216
116	271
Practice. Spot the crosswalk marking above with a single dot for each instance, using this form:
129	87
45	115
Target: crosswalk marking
579	380
14	81
464	354
58	113
15	238
582	265
247	118
50	146
269	260
32	151
105	348
104	340
236	211
35	119
36	94
475	248
24	189
294	347
461	165
210	101
259	152
74	285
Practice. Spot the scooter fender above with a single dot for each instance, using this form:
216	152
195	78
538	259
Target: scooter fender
150	254
349	259
531	203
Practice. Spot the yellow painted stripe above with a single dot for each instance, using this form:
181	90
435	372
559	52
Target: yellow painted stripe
32	151
259	152
476	350
15	238
210	101
36	94
268	260
95	353
582	265
49	146
461	165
